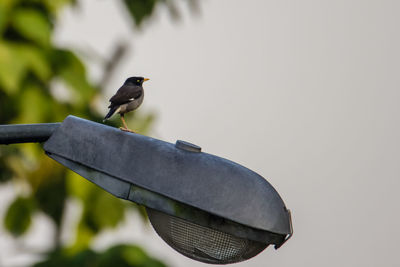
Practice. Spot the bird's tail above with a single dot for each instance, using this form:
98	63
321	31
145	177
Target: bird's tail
110	113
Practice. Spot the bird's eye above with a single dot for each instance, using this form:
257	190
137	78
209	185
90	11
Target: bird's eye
138	81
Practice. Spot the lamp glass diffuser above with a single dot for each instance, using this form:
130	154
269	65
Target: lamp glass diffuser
202	243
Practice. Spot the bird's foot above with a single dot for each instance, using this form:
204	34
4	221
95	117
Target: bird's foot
126	130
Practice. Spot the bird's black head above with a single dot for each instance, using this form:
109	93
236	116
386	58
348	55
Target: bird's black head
135	80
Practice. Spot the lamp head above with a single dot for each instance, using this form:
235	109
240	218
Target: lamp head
198	203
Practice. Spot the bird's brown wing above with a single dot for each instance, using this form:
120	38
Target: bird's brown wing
126	94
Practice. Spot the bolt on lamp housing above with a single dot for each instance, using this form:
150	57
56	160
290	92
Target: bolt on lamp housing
205	207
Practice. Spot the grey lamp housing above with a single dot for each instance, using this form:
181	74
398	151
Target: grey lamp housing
206	207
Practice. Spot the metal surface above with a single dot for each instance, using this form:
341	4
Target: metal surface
174	208
278	245
26	133
118	188
170	207
187	146
209	183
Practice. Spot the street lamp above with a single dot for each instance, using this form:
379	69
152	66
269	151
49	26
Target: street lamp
205	207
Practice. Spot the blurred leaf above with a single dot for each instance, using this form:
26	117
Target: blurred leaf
142	122
16	164
18	216
6	153
84	234
140	9
102	210
33	25
32	96
5	172
12	68
5	7
51	193
56	5
8	107
119	256
86	258
78	186
108	210
16	60
127	255
35	60
72	71
3	17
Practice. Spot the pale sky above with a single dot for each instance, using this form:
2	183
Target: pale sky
305	93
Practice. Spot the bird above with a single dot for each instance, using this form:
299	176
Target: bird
128	98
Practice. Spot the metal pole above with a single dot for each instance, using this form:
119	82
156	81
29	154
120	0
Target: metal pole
26	133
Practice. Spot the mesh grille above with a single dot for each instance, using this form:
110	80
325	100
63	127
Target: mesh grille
202	243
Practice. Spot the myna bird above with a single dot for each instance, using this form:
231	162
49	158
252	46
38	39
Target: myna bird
128	97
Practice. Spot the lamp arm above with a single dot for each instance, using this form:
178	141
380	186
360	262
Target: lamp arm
26	133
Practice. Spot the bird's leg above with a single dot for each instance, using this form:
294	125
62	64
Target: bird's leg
125	128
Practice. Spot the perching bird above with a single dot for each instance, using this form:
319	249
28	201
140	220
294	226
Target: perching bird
128	97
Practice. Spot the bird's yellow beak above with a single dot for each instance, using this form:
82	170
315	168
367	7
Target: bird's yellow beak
145	79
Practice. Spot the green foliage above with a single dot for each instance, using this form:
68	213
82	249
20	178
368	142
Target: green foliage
5	172
32	25
121	256
30	65
140	9
18	216
12	67
103	211
51	195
